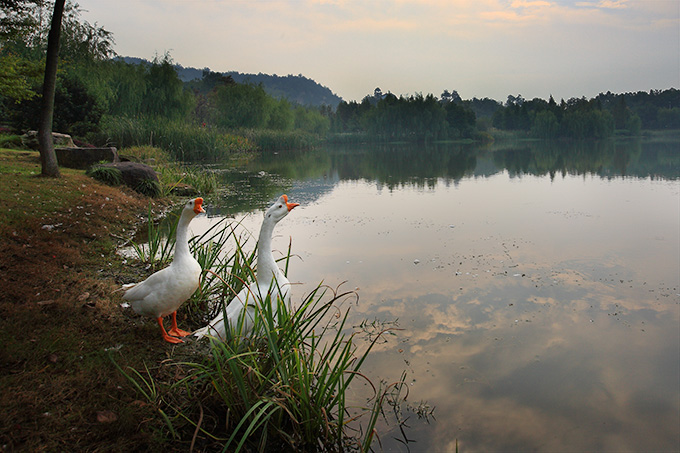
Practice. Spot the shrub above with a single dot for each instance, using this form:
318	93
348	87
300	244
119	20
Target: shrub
108	175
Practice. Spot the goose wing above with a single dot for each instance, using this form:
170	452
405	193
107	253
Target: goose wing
152	284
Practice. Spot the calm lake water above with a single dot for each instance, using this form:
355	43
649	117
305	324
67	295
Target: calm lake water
537	286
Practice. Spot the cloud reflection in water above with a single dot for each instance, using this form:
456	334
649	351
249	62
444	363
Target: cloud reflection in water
540	315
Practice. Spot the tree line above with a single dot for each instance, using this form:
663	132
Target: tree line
599	117
94	86
386	117
416	118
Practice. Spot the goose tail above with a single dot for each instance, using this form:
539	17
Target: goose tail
202	332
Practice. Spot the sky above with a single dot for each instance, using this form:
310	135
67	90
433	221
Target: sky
480	48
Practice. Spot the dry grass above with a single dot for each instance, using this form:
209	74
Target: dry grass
59	391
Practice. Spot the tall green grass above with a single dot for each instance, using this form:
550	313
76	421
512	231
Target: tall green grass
108	175
174	176
226	270
282	388
158	249
185	141
287	384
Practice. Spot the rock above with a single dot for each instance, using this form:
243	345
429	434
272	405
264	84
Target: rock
139	177
83	158
30	140
68	154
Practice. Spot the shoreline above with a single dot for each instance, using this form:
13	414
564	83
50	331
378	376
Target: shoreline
61	318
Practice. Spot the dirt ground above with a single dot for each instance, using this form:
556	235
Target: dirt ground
61	322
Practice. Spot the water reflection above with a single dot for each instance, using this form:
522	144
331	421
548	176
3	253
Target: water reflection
538	286
398	165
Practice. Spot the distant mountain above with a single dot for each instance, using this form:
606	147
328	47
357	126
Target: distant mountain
297	89
133	60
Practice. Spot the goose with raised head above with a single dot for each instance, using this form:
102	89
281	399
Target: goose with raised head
270	281
164	291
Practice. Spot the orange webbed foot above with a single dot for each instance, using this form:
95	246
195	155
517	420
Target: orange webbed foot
165	335
178	332
170	339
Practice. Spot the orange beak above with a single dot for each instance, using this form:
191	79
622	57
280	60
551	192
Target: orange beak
290	206
198	205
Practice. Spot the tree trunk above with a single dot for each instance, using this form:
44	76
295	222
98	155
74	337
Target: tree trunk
48	158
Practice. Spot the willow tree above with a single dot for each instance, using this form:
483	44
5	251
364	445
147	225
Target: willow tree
48	158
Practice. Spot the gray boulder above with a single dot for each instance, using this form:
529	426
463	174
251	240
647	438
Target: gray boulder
139	177
30	140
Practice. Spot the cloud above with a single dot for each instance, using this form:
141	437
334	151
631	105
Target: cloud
530	4
604	4
482	48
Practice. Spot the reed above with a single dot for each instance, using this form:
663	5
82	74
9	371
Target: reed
281	388
224	271
284	386
173	175
158	250
185	141
149	187
147	154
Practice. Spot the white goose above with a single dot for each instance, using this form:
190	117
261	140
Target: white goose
164	291
270	280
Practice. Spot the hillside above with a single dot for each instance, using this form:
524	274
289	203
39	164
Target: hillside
297	89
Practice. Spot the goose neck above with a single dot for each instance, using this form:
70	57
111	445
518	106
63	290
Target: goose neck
182	237
266	265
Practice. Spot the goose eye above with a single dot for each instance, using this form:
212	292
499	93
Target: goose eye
280	206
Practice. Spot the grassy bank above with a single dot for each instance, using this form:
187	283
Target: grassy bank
59	315
81	373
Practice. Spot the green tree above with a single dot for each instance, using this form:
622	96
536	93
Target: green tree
128	86
633	125
241	105
310	120
460	118
16	76
165	95
83	51
669	118
620	112
16	19
281	116
545	125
